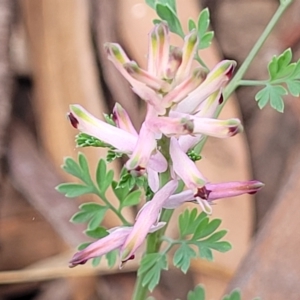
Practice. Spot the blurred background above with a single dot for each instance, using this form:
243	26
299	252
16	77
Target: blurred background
51	55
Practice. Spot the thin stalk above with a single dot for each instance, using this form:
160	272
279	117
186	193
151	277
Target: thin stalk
237	79
201	62
140	291
111	207
154	239
154	242
234	83
253	82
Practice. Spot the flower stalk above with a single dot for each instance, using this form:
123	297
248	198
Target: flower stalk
236	80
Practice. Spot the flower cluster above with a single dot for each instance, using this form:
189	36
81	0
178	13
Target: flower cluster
181	104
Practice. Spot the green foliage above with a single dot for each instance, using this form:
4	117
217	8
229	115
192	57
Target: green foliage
170	3
192	25
121	191
166	13
82	172
272	93
151	266
92	213
125	197
96	261
234	295
72	190
205	37
182	257
197	294
198	232
103	178
112	155
132	199
189	220
131	181
193	155
97	232
109	119
151	3
166	10
83	246
111	257
79	170
284	78
85	140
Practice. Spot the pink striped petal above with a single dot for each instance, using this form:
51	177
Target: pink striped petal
113	241
142	152
232	189
145	77
146	218
122	119
185	168
217	128
188	54
215	80
185	87
87	123
175	59
172	126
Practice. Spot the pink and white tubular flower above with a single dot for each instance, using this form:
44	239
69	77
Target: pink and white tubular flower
147	217
124	138
181	103
129	239
114	240
216	191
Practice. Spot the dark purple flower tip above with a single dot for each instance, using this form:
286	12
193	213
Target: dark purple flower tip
73	120
221	99
127	259
203	193
114	116
252	193
230	71
233	130
74	264
138	171
79	258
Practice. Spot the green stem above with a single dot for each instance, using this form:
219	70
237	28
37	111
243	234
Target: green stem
111	207
201	62
140	291
253	82
237	79
154	242
234	83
